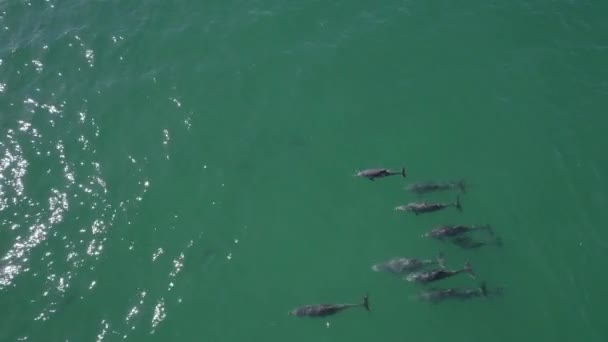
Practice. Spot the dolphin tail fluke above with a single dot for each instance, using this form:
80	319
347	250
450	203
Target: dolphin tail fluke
484	289
457	203
441	260
463	186
467	268
489	229
403	172
366	302
498	241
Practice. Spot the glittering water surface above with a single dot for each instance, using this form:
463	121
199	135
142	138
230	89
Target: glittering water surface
63	188
179	171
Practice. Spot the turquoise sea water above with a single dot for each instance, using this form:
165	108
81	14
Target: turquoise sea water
182	171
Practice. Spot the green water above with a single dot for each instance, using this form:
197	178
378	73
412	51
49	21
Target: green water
182	171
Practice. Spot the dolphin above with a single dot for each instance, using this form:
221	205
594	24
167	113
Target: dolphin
372	174
322	310
439	295
425	207
426	187
405	265
438	274
467	242
450	231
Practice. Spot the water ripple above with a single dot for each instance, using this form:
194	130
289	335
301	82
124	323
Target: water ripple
105	326
159	314
134	310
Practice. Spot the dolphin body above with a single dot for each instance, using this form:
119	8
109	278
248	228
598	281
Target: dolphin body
322	310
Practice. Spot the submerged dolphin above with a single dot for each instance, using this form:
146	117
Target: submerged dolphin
439	295
426	187
467	242
450	231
